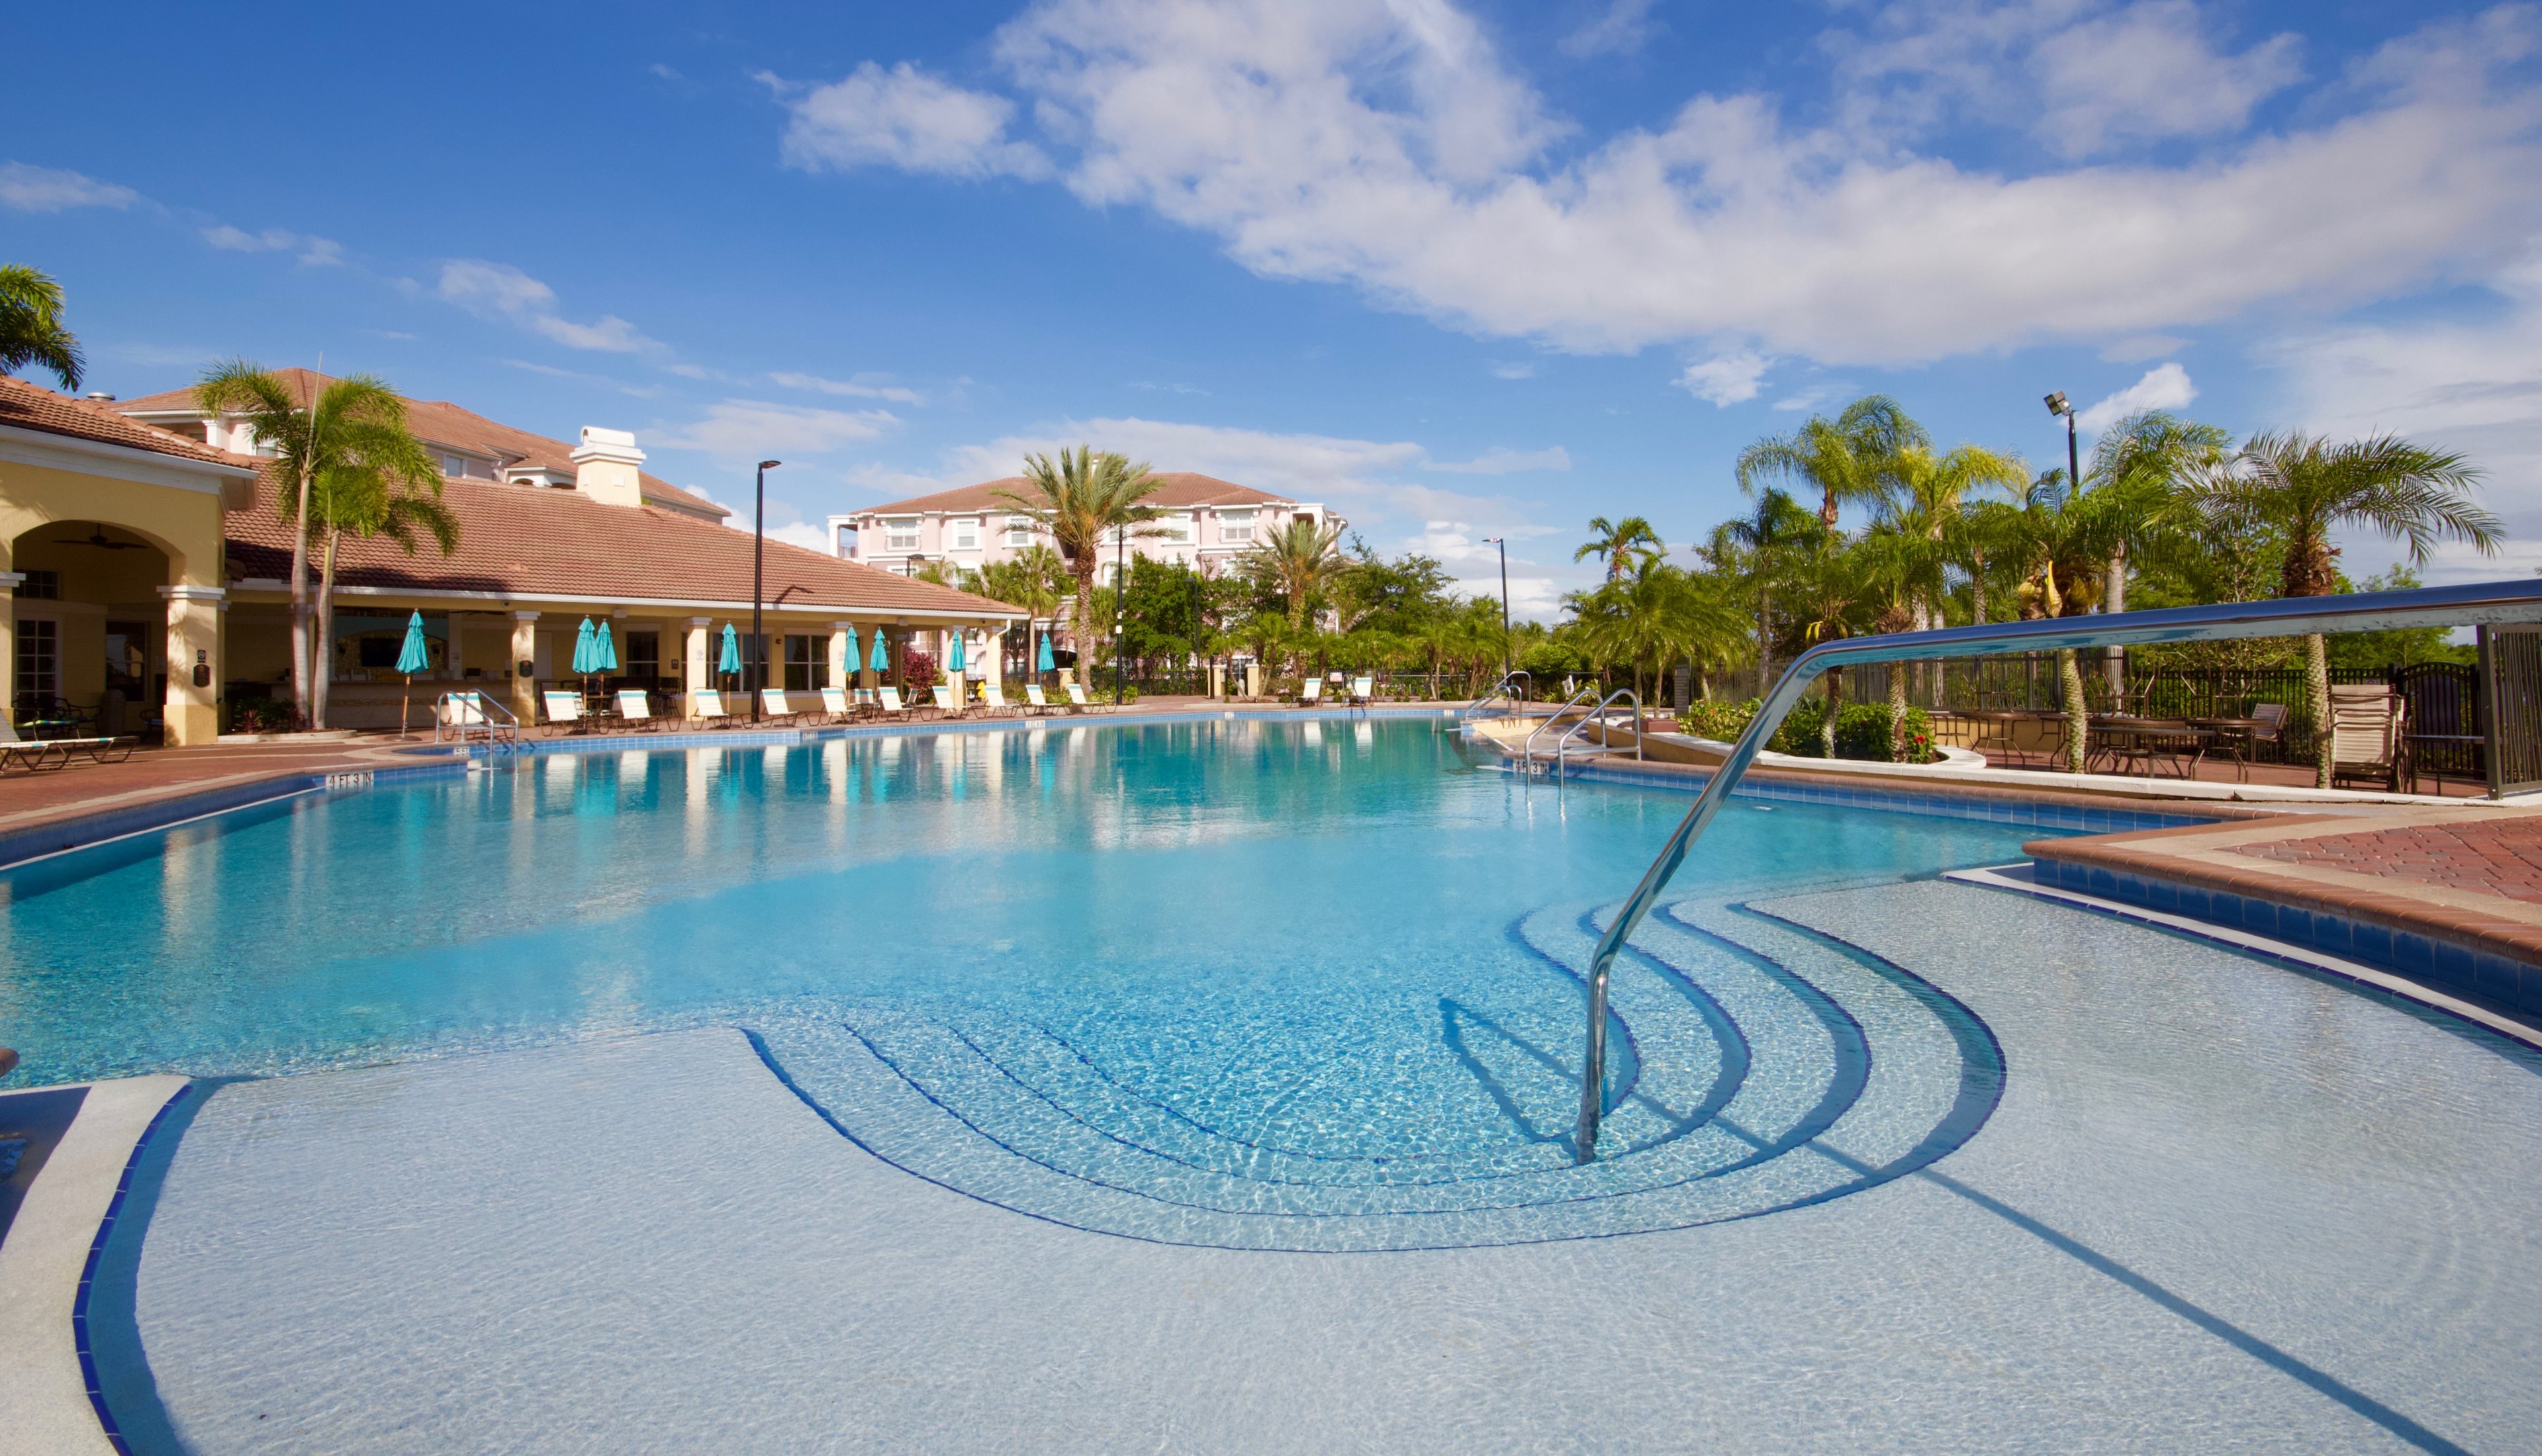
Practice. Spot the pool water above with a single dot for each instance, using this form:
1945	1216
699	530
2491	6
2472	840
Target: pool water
1302	983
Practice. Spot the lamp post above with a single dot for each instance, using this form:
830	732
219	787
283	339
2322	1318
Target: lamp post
754	665
1120	589
2114	596
1503	542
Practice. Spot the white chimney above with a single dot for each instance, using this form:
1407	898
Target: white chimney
606	467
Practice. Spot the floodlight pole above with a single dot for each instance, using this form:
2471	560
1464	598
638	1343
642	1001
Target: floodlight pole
1120	589
753	666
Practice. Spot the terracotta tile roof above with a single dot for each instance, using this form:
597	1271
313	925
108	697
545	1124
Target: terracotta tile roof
518	540
440	422
33	407
1181	489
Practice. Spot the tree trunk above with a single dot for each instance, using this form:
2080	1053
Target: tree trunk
2317	689
1834	705
322	666
300	695
1976	587
1764	641
1897	713
2078	718
2115	659
1076	630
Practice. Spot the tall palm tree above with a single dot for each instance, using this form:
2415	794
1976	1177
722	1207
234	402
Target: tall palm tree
1621	543
1847	457
2063	537
357	425
1755	545
2150	460
1824	591
1299	561
1655	617
1035	579
2309	486
369	499
30	327
1903	567
1080	499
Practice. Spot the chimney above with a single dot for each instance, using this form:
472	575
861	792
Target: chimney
606	465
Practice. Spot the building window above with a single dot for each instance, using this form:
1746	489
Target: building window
1171	529
900	534
1019	532
966	535
127	658
643	655
807	662
39	660
1235	526
42	586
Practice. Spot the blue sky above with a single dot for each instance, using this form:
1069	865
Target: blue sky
1456	269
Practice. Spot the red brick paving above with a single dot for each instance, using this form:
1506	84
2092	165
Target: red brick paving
2501	857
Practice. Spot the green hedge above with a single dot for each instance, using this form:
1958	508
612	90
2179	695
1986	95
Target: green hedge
1861	730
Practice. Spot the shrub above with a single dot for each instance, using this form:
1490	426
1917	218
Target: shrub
917	669
1724	721
1862	729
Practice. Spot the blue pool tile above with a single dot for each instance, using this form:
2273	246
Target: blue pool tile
2453	964
2412	954
2528	990
2495	976
2104	882
2162	895
2335	934
2373	942
2195	899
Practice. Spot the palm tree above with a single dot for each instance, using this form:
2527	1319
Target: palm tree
1824	591
1297	560
2308	486
2150	460
1902	566
1847	457
1621	543
1080	499
31	325
1654	617
1755	545
2063	537
372	497
1035	579
354	424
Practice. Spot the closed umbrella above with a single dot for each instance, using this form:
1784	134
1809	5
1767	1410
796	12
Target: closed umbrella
605	651
881	662
1042	663
954	656
851	648
586	651
731	660
412	659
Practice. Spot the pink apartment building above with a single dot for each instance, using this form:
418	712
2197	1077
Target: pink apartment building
1204	522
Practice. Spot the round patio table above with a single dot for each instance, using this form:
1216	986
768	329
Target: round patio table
2239	737
2124	738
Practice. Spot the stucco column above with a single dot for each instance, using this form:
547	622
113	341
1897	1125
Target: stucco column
993	660
525	683
10	581
866	677
193	664
695	664
839	666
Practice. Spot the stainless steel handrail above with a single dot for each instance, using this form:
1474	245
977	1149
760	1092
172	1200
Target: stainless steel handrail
1499	690
1527	749
492	717
1562	763
2480	604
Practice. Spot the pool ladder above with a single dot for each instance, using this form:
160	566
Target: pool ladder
1561	760
461	717
2485	604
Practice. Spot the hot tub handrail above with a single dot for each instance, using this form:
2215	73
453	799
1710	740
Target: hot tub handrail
1527	749
2476	604
1502	691
1562	745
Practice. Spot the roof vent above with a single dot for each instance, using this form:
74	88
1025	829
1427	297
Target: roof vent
99	396
607	467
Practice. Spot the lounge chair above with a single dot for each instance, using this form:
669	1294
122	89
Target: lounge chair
775	707
705	705
1078	699
892	707
634	708
1310	692
945	702
2367	738
564	708
1036	700
993	695
29	754
1363	691
835	705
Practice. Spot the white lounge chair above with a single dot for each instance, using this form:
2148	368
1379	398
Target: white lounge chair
29	754
1078	699
705	705
564	709
942	693
1310	692
634	708
889	699
835	706
2367	737
775	707
993	695
1363	691
1035	701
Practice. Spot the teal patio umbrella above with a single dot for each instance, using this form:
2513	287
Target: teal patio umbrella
881	662
1042	663
587	650
954	656
411	659
730	659
851	649
605	651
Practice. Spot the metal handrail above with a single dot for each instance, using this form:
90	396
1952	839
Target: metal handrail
496	720
1499	690
2490	603
1562	763
1527	749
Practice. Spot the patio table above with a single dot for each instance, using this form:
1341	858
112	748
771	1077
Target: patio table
2125	740
2478	741
2239	737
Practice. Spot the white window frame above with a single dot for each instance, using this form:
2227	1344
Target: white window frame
1019	532
962	535
1174	530
1236	528
900	533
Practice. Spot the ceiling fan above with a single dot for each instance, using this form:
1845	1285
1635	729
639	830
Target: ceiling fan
98	540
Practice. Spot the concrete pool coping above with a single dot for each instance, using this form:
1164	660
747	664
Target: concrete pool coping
48	1396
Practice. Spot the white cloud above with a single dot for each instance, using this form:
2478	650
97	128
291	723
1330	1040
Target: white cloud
755	429
2165	386
1500	460
318	251
906	118
493	290
1625	27
26	188
2473	385
1726	380
1512	370
1390	148
862	387
2141	348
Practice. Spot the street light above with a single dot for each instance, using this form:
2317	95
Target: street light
751	667
2074	458
1503	542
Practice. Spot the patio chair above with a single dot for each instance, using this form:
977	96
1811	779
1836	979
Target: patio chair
564	708
892	707
993	695
835	705
776	707
1310	692
29	754
2367	737
1362	691
705	705
1078	701
634	708
946	704
1036	700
